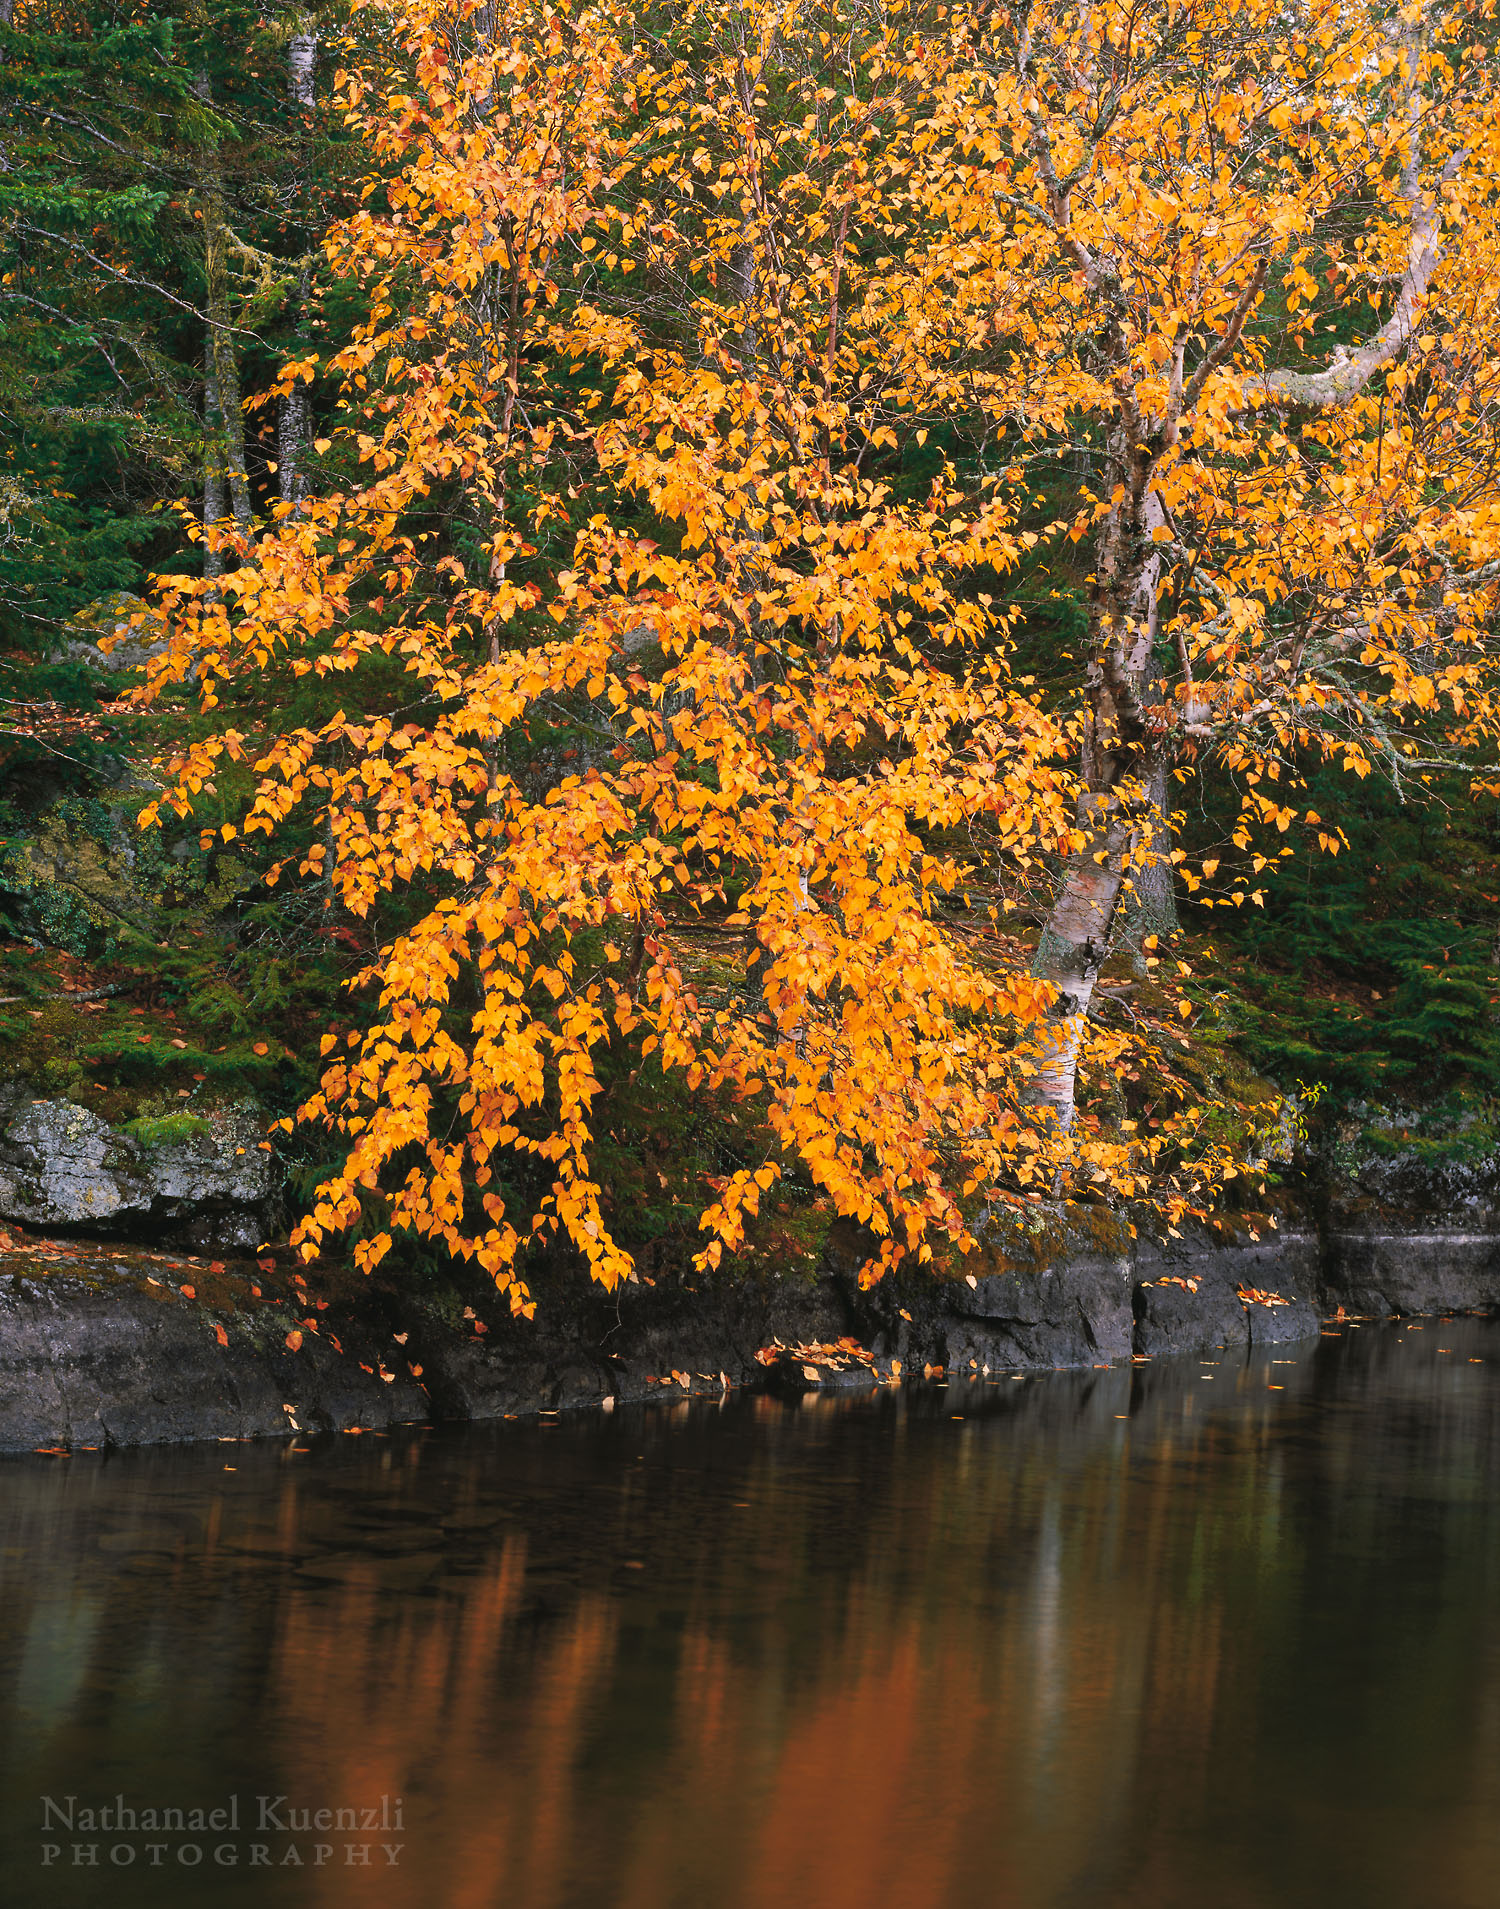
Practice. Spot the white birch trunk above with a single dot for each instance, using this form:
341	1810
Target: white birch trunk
1071	952
301	58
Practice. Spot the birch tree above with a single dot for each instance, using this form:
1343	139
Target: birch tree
1288	538
657	305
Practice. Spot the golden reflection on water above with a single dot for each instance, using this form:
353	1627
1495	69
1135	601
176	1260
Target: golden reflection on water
1100	1643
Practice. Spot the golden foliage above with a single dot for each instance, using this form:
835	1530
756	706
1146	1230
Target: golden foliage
650	298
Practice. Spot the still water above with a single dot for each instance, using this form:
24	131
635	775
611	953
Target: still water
1192	1633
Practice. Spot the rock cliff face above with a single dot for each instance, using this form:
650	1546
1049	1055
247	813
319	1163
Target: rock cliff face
195	1180
107	1345
1084	1292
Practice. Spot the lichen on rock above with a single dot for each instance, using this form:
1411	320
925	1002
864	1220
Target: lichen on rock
202	1180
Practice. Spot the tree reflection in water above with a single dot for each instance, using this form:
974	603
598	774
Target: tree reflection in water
1130	1637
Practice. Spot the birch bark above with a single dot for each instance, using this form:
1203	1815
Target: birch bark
292	415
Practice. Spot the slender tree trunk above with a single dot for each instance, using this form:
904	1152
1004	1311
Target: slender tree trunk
213	458
222	358
292	415
1124	767
225	356
1072	950
292	420
1148	905
301	57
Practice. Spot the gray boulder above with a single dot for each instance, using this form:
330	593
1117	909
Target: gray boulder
196	1180
133	633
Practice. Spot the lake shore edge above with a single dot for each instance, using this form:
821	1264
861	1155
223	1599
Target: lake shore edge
105	1345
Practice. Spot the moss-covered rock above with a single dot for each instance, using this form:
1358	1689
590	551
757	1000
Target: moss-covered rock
197	1179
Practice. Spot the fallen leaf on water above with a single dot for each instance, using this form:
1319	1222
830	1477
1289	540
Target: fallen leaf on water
221	1335
260	1048
188	1292
293	1340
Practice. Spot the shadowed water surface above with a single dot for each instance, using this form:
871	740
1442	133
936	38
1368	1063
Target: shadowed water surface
1161	1636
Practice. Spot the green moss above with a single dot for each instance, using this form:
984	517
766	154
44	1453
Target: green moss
166	1130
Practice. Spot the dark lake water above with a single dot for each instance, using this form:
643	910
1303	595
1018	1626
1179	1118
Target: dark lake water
1203	1633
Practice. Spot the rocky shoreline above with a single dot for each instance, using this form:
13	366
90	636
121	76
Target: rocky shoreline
103	1344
